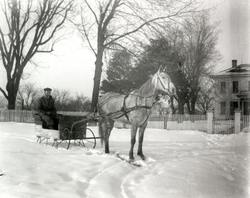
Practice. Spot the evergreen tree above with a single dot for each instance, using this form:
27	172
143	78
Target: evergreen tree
118	73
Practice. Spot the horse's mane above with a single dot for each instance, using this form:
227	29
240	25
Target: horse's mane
108	96
144	91
146	88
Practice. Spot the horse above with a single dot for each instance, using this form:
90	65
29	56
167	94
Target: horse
133	108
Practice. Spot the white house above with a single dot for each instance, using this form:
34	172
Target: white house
232	90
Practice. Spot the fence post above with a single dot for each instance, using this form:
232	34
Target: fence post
165	121
210	122
237	115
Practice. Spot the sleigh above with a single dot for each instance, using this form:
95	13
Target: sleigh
72	129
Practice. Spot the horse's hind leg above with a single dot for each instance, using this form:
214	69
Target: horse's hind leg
133	140
141	136
109	124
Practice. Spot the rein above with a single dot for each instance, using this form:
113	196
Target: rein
162	84
124	110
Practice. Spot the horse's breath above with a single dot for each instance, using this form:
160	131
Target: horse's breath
134	108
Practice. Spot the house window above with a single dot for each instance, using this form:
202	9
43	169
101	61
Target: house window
235	86
248	85
223	87
233	107
246	108
223	108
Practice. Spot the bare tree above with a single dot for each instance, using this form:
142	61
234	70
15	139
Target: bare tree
27	95
65	102
29	29
199	49
61	97
113	22
206	96
205	101
79	103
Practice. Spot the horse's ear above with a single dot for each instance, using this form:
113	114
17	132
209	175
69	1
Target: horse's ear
160	69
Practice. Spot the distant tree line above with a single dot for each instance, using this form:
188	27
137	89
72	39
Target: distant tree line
29	94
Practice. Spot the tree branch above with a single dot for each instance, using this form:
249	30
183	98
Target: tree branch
96	19
4	93
139	27
116	4
26	31
87	37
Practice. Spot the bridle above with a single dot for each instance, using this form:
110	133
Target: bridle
126	110
161	81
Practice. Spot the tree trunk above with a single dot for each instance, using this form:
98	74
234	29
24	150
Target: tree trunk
11	100
181	99
12	89
193	102
181	104
97	80
11	103
172	104
188	107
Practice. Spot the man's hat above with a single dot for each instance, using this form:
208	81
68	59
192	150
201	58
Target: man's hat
47	89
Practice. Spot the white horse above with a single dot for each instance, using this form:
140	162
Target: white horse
133	108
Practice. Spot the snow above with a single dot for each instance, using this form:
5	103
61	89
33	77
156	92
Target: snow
180	164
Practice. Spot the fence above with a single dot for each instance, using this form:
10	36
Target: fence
26	116
185	117
233	124
179	122
223	126
16	116
245	123
171	121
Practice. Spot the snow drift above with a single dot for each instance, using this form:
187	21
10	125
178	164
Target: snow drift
180	164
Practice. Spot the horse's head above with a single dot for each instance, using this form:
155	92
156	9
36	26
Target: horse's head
161	82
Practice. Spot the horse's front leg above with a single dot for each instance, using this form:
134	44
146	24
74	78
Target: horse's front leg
132	142
141	136
105	128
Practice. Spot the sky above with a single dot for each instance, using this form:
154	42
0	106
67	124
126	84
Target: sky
234	27
71	66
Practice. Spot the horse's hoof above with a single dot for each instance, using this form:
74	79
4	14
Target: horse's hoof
131	158
142	156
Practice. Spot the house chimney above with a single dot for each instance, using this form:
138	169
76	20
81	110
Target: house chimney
234	63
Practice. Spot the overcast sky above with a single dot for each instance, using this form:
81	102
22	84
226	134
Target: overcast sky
71	67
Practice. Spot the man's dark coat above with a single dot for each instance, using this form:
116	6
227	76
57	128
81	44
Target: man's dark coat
47	111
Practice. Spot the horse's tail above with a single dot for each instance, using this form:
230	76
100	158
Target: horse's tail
101	131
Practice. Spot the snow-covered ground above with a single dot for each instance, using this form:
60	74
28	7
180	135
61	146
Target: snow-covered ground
180	164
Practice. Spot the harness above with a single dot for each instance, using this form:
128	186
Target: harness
125	110
160	79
